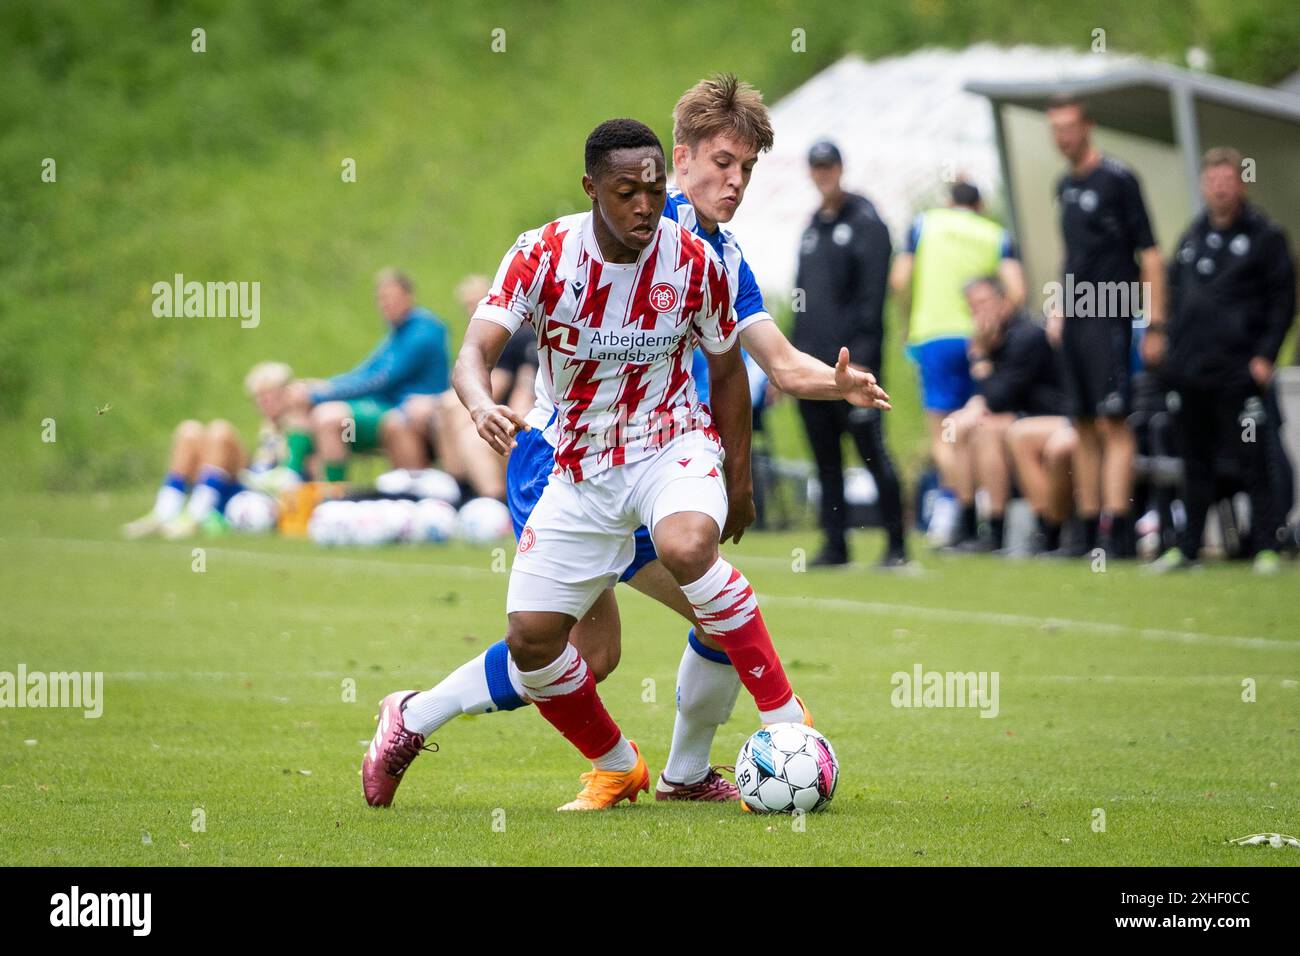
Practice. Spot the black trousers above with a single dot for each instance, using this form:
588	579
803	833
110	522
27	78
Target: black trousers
1281	472
1210	430
826	423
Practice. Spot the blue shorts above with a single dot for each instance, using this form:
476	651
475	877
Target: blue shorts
945	373
527	471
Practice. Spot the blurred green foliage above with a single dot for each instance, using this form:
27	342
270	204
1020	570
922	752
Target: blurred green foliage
226	165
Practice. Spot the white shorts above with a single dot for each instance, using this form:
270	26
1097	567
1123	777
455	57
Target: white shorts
578	539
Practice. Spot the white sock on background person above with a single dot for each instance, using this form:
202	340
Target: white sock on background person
171	498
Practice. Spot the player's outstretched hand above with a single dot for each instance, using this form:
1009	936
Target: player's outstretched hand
857	386
498	425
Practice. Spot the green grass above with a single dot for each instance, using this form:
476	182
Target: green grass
1117	692
225	166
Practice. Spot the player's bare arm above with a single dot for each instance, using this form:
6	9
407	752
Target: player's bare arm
733	417
799	374
1152	265
472	379
1012	274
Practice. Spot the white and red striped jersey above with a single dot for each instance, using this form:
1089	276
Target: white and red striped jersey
615	340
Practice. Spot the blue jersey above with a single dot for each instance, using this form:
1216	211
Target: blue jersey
411	360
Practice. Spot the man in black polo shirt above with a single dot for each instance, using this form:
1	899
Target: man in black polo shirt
1109	246
843	273
1016	379
1232	301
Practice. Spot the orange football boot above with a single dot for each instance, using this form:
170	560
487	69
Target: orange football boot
602	789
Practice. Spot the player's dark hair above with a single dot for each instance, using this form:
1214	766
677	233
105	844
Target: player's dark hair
1062	100
992	281
965	194
617	134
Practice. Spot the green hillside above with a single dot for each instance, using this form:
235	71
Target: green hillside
226	165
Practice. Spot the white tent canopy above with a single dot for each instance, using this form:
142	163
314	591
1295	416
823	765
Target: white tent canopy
906	126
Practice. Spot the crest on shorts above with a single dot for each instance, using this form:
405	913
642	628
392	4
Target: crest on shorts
527	539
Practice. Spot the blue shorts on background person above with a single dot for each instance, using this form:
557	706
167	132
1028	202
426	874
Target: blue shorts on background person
945	373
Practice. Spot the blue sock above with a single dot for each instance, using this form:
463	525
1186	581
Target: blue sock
176	481
708	653
223	486
496	667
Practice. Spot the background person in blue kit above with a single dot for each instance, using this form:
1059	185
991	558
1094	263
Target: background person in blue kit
410	361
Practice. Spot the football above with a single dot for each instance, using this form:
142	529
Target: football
483	521
328	525
252	512
786	768
435	521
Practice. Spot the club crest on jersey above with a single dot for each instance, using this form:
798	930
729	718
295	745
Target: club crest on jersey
663	297
527	539
561	338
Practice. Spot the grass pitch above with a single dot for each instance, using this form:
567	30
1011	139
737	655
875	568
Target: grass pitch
226	737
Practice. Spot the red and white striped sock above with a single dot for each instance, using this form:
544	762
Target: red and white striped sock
727	611
565	694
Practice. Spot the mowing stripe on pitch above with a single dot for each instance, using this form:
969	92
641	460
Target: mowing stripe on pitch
951	615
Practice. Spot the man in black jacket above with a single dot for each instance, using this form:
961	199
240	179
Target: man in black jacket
843	273
1113	271
1017	380
1233	298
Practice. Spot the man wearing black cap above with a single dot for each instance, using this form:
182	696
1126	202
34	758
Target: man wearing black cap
843	272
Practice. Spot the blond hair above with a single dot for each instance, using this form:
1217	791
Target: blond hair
722	105
471	289
1222	156
396	277
265	375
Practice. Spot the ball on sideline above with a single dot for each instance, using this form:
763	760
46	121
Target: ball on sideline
484	520
252	512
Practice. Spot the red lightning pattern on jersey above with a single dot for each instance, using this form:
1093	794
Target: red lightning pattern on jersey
642	311
692	258
593	304
621	388
720	299
581	393
552	286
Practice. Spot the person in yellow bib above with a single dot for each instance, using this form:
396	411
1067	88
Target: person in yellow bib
947	248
